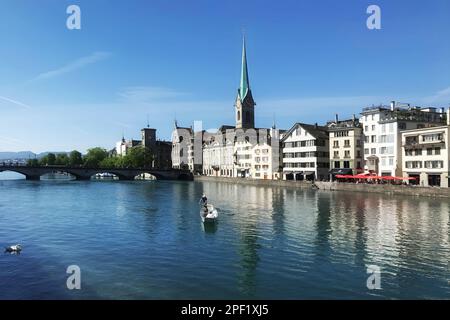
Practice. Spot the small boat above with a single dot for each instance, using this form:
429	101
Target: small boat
16	249
209	216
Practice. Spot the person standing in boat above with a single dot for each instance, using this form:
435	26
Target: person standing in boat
204	200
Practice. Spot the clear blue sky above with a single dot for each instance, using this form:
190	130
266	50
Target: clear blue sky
66	89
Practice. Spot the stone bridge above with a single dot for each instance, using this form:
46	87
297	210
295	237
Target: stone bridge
81	173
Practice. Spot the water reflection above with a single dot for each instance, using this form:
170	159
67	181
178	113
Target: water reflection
147	239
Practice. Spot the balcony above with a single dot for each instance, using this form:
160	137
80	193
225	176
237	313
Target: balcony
417	144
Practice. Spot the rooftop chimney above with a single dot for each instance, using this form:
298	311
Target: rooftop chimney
354	118
336	118
392	105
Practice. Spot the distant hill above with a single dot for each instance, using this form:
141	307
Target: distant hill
16	155
24	155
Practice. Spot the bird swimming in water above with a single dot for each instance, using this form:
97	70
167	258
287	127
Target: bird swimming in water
14	249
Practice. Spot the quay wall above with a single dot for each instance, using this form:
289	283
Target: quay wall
407	190
258	182
386	188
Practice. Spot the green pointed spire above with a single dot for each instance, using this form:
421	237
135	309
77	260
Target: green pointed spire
245	85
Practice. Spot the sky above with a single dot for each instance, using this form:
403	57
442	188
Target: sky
64	89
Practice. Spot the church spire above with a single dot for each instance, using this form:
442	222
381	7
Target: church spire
245	85
244	105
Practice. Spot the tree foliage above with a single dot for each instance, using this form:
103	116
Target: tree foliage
75	158
136	157
94	157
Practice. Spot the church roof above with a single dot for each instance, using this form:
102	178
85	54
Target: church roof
244	87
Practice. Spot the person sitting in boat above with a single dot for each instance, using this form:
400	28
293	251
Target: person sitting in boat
205	211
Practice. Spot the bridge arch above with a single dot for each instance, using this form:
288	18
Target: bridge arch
11	175
147	175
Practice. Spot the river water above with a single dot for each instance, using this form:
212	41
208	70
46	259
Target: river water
145	240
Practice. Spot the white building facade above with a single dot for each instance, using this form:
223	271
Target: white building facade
305	152
382	139
426	156
182	148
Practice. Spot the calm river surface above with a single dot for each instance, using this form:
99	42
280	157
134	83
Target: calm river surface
145	240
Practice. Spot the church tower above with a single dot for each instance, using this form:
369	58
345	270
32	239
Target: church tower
245	105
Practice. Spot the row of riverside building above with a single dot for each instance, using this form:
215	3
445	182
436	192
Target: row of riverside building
395	140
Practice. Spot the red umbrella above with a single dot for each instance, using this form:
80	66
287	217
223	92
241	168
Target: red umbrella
404	178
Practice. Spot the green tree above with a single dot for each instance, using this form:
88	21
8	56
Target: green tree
110	162
94	157
43	161
32	162
138	157
51	159
75	158
62	159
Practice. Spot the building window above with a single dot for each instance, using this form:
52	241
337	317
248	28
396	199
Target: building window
373	127
358	153
347	164
402	125
432	137
347	154
437	151
373	151
366	128
418	152
429	152
337	164
391	127
434	164
336	144
391	161
373	139
336	154
239	116
413	164
366	151
347	144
